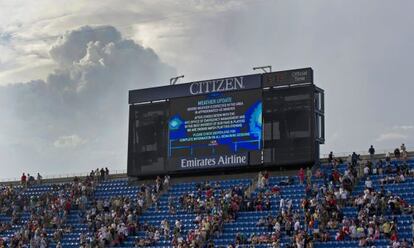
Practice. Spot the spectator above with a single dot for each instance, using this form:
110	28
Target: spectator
354	158
404	152
266	176
261	222
371	152
23	180
308	175
158	184
102	174
330	157
403	148
281	204
39	178
405	244
397	153
366	170
30	179
260	180
368	184
301	175
388	157
166	181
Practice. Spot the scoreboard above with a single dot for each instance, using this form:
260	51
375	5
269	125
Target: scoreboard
225	124
215	129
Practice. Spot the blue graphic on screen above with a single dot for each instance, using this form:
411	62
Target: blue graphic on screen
218	123
177	128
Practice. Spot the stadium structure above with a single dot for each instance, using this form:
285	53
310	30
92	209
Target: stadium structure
230	162
241	123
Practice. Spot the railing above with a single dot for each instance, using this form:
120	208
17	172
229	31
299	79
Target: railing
365	152
124	171
61	176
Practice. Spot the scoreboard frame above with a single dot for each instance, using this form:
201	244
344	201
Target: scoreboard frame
295	110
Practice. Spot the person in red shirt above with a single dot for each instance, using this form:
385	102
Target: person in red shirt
301	175
332	202
266	178
394	236
67	206
340	235
336	176
23	180
276	190
209	193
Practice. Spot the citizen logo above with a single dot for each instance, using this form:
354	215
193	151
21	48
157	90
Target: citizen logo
219	85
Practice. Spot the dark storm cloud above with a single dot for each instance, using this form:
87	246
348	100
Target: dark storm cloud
80	112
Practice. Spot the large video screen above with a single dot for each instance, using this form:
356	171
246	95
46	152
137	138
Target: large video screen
215	130
288	125
147	143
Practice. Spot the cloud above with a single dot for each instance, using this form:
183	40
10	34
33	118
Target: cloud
69	141
361	57
27	30
86	96
73	45
403	127
392	136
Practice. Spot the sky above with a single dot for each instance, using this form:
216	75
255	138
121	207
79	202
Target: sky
66	68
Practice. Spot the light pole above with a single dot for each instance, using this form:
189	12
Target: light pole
263	68
174	80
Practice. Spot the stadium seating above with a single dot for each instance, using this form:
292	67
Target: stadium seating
245	223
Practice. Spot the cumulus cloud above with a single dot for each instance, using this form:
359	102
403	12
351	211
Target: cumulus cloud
359	57
73	45
83	99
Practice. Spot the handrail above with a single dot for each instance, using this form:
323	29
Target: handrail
60	176
124	171
365	152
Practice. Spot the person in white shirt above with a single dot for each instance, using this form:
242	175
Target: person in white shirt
140	202
297	226
178	224
344	195
366	170
396	244
353	231
368	183
260	181
157	235
281	204
403	148
277	227
402	178
289	204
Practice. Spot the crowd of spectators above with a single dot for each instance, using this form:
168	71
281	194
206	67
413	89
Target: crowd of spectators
100	174
213	206
29	180
37	215
112	220
42	219
323	205
373	204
